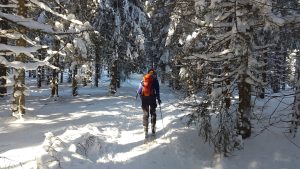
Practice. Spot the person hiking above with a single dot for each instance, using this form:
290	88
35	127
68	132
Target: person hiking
149	92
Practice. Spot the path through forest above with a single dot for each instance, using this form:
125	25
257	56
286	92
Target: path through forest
95	130
115	120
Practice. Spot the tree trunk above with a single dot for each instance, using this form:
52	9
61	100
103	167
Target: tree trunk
97	67
43	73
118	78
3	69
70	75
97	73
62	75
284	70
175	76
162	66
244	109
54	80
190	82
48	78
227	93
3	88
39	77
18	107
114	78
34	74
190	87
275	80
296	109
74	82
209	82
264	75
41	69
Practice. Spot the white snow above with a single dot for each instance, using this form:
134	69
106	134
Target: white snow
98	131
215	56
29	23
70	17
80	44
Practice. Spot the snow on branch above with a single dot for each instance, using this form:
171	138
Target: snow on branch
48	9
26	66
6	53
253	80
16	36
215	56
34	25
222	77
26	22
19	49
9	6
27	51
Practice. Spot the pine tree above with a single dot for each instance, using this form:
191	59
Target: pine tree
225	40
158	52
122	25
3	40
26	50
19	78
54	80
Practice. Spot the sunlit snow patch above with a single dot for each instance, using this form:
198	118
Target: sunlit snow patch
75	148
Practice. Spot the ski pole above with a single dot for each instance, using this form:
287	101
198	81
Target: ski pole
162	121
161	115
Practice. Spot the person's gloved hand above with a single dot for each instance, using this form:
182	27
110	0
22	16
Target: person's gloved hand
159	101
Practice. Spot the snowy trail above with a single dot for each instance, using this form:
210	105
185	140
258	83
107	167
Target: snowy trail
114	124
164	152
118	121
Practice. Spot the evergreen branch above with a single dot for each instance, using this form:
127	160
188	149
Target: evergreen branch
34	25
284	95
274	6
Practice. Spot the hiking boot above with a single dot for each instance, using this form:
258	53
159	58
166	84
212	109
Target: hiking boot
146	132
153	130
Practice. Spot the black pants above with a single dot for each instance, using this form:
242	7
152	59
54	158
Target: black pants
149	105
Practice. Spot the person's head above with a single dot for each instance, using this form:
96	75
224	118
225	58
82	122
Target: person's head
151	71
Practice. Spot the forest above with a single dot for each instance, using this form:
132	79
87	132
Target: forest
220	56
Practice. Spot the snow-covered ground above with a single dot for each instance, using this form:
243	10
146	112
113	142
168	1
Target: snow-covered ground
95	130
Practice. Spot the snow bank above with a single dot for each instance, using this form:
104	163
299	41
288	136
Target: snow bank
75	148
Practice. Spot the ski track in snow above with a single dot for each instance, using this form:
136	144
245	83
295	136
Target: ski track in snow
117	122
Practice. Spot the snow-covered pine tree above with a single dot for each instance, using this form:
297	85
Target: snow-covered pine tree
85	11
296	106
232	54
121	24
84	44
288	47
26	49
158	52
75	50
185	38
3	40
19	78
